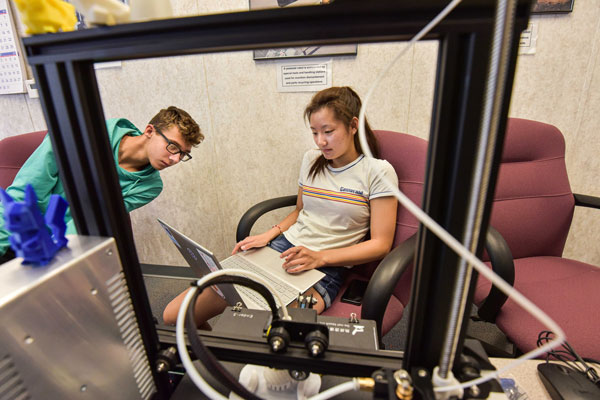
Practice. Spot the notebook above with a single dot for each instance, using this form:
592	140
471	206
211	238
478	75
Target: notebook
263	261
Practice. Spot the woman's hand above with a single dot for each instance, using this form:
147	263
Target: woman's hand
251	242
299	258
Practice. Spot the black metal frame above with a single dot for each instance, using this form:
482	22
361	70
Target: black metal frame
63	68
343	361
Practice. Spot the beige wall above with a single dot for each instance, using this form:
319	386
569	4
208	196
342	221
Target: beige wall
255	136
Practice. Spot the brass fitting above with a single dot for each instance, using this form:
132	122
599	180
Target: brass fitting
366	384
404	388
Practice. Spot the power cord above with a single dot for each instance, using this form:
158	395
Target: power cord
204	355
569	357
189	366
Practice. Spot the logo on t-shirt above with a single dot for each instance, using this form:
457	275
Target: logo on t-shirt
343	189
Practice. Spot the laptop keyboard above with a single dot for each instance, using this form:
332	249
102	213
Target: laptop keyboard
287	292
254	296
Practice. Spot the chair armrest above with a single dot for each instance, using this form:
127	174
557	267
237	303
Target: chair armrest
586	201
502	263
167	271
384	281
256	211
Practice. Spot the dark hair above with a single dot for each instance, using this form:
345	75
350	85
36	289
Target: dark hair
345	105
172	115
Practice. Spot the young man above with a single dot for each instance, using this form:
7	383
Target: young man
167	139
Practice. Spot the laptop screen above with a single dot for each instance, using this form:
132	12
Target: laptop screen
202	261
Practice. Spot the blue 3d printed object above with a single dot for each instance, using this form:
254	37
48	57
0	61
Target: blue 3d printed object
35	238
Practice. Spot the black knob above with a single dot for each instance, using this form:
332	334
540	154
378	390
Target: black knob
278	339
316	343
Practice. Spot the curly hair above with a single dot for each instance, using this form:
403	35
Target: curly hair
172	115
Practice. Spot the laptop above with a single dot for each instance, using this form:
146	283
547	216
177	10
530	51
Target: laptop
263	261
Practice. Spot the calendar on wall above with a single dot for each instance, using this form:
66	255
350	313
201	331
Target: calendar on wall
12	67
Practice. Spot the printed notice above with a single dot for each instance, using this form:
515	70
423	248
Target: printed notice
303	76
528	39
11	64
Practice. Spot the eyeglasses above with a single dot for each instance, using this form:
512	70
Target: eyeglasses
173	147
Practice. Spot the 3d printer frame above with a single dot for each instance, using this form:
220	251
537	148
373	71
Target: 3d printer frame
63	65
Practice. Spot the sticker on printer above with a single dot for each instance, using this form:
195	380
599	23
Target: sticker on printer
358	329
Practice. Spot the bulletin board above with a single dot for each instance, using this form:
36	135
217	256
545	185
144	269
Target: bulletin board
12	66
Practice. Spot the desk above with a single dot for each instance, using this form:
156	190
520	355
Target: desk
526	377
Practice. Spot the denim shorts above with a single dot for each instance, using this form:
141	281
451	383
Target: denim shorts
329	286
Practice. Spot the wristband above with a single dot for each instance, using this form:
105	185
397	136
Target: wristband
278	227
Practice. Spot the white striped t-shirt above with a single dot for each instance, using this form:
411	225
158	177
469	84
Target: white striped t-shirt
336	211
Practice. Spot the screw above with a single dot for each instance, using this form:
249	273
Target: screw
161	366
94	291
422	373
28	339
276	344
298	375
109	252
83	388
316	349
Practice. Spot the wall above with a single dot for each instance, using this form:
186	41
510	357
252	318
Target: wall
255	136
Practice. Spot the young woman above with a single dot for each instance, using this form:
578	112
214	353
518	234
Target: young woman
341	198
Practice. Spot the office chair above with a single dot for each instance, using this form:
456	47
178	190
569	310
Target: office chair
14	151
388	290
532	210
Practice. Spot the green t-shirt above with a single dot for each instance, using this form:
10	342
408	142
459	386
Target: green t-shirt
138	188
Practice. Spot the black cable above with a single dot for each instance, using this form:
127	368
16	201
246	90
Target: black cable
204	355
207	358
569	356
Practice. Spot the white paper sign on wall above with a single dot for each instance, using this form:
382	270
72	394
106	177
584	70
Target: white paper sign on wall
528	40
303	75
